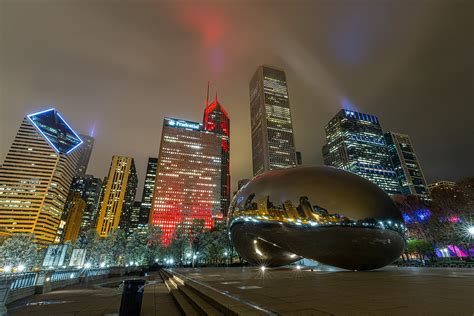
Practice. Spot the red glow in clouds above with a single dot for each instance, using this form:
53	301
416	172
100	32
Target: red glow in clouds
211	28
206	22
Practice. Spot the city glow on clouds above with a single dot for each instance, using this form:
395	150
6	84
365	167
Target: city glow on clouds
134	63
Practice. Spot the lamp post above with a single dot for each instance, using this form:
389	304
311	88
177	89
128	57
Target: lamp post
470	230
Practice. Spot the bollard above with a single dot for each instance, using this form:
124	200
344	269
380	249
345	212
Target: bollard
132	297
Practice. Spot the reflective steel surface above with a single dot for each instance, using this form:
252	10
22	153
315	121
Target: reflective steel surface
321	213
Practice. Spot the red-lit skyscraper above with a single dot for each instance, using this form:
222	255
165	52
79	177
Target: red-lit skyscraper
216	120
192	176
188	177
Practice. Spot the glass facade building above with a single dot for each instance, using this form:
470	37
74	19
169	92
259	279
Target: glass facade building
406	165
273	145
119	195
133	220
188	178
90	190
85	155
355	142
441	185
36	175
73	220
299	158
149	186
148	189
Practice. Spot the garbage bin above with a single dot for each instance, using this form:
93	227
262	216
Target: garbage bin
132	297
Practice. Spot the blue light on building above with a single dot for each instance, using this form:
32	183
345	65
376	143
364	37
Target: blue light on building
57	132
355	142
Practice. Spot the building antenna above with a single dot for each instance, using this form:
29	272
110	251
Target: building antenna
92	132
207	97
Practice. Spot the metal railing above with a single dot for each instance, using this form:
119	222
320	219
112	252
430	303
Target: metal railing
21	280
95	272
64	275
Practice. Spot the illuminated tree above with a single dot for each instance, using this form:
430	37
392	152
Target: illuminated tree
136	249
155	248
198	239
114	246
419	247
19	250
180	243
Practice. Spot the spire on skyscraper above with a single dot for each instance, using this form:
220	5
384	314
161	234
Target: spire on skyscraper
207	97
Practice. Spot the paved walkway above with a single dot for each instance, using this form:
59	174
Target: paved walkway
158	301
98	298
388	291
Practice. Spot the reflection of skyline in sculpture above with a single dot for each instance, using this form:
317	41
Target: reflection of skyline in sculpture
304	213
326	214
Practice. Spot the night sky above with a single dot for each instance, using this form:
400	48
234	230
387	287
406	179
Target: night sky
116	68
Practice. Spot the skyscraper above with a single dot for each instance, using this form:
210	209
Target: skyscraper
188	179
273	145
119	195
216	120
299	158
36	175
406	165
441	185
73	219
85	155
90	189
148	188
355	143
133	220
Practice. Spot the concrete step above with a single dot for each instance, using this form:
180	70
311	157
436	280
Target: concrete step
185	307
193	304
198	303
208	301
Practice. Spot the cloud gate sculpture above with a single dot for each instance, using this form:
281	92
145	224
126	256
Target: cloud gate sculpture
322	213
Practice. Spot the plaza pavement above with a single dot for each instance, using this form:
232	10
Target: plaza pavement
329	291
98	298
285	291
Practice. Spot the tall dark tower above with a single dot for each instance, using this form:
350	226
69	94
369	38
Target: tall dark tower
273	144
148	189
85	156
216	120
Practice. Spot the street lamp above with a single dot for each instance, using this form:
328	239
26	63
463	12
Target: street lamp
20	268
7	268
225	258
470	230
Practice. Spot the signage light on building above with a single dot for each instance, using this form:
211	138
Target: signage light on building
182	124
